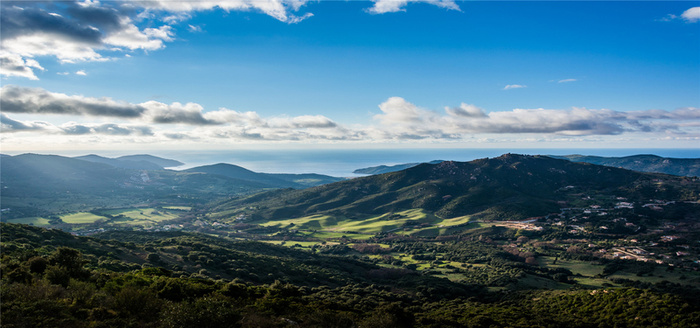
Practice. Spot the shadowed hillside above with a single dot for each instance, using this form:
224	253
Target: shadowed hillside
644	163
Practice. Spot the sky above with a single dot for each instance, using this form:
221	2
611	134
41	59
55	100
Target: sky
236	74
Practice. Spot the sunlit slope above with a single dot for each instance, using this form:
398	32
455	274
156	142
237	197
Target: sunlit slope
504	188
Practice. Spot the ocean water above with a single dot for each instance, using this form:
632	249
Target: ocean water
342	162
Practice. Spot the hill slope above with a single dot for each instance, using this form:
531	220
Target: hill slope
298	181
381	169
35	185
162	162
644	163
507	187
124	164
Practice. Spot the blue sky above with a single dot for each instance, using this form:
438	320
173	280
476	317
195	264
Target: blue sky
227	74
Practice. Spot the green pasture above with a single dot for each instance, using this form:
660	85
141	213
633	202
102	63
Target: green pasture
141	216
35	221
178	208
81	218
387	222
583	268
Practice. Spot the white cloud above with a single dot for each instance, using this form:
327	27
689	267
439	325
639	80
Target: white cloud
79	31
278	9
398	120
514	86
392	6
691	15
567	80
14	65
14	99
465	110
81	72
132	38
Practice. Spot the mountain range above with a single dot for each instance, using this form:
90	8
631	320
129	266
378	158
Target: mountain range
136	162
641	163
34	185
644	163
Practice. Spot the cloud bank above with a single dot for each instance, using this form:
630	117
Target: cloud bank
398	120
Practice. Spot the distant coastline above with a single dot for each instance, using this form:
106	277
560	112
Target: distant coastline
342	162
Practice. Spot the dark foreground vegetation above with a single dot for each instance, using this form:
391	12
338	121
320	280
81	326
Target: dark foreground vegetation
53	279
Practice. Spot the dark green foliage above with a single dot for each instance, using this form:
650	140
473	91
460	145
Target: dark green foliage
71	292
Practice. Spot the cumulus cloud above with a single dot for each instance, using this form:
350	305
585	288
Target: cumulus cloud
14	99
392	6
278	9
691	15
176	113
397	120
465	110
514	86
81	72
70	31
71	128
106	129
14	65
401	119
75	31
8	125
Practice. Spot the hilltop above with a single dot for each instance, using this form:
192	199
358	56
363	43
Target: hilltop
135	162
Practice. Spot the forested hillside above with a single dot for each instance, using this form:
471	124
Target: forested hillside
52	279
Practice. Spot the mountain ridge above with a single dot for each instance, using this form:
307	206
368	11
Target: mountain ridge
507	187
643	163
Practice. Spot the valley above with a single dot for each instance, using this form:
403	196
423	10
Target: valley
448	243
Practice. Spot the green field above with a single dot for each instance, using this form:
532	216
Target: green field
140	216
35	221
81	218
586	269
178	208
389	222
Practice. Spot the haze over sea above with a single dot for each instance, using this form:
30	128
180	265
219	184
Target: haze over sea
342	162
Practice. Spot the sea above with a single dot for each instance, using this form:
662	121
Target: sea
342	162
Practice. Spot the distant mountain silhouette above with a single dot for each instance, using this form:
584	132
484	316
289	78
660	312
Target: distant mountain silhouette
272	180
393	168
644	163
32	184
162	162
125	164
